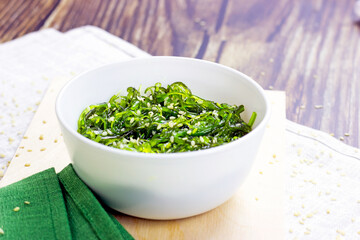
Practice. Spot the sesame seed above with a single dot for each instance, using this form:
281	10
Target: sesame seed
171	124
44	122
332	134
132	120
296	214
274	156
41	137
188	132
318	106
104	133
310	215
158	127
340	232
27	165
214	140
2	231
148	104
291	197
302	206
256	198
42	149
150	97
55	141
341	138
2	155
346	134
17	155
29	150
172	139
193	143
181	112
16	209
201	139
260	172
307	232
27	202
301	222
172	118
290	230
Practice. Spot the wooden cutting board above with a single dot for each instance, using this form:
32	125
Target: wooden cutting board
254	212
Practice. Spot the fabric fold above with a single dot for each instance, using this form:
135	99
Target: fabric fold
47	205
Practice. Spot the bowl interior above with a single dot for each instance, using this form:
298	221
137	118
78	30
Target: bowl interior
205	79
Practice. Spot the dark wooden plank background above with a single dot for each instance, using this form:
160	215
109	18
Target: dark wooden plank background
308	48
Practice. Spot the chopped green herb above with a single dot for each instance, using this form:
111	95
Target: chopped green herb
163	120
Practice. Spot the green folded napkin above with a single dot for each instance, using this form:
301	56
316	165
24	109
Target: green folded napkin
55	206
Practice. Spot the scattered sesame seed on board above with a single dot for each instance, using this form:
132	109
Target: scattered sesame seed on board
41	137
261	172
291	197
271	87
306	232
27	165
257	199
318	106
302	107
302	206
1	173
341	138
42	149
301	222
262	73
44	122
55	141
346	134
17	155
16	209
25	137
332	134
29	150
291	231
271	60
328	211
2	155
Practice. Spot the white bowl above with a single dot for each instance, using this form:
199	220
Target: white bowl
162	186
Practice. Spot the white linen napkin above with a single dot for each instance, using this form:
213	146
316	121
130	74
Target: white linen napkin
322	184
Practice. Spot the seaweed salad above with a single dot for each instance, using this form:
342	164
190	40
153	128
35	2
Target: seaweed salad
163	120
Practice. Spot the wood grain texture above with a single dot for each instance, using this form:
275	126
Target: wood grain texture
308	48
22	16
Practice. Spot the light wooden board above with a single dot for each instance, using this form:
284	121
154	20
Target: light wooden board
254	212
